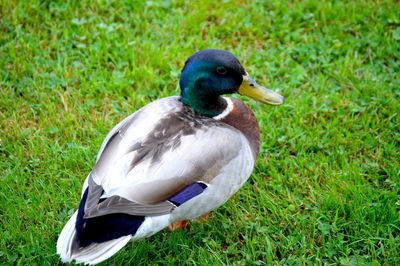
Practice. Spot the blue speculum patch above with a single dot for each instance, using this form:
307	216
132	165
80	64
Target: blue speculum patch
188	193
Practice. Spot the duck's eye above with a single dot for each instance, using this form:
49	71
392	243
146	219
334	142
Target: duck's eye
222	71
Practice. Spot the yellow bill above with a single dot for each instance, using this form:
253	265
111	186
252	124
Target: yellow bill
250	88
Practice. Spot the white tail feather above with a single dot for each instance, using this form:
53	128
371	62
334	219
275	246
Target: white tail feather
92	254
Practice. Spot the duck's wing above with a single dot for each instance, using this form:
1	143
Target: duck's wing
155	154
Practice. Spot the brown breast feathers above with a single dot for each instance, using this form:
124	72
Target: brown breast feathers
242	118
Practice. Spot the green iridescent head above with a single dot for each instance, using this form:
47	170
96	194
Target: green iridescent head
210	73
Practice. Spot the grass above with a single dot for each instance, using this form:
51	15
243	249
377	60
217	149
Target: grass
326	186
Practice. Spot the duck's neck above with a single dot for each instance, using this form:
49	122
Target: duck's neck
204	104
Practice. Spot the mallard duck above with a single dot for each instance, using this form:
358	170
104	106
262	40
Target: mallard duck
175	159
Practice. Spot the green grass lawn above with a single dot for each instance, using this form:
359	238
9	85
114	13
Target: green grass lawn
326	187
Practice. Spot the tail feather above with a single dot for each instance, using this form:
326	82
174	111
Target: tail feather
69	250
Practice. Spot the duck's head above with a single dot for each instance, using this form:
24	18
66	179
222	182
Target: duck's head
210	73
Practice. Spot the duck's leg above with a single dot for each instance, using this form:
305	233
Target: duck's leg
183	224
205	216
178	225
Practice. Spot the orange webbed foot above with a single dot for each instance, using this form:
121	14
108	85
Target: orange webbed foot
205	216
185	223
178	225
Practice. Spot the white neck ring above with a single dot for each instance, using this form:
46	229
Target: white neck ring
228	109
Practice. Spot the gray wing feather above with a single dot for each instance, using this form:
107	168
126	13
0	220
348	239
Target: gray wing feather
117	204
